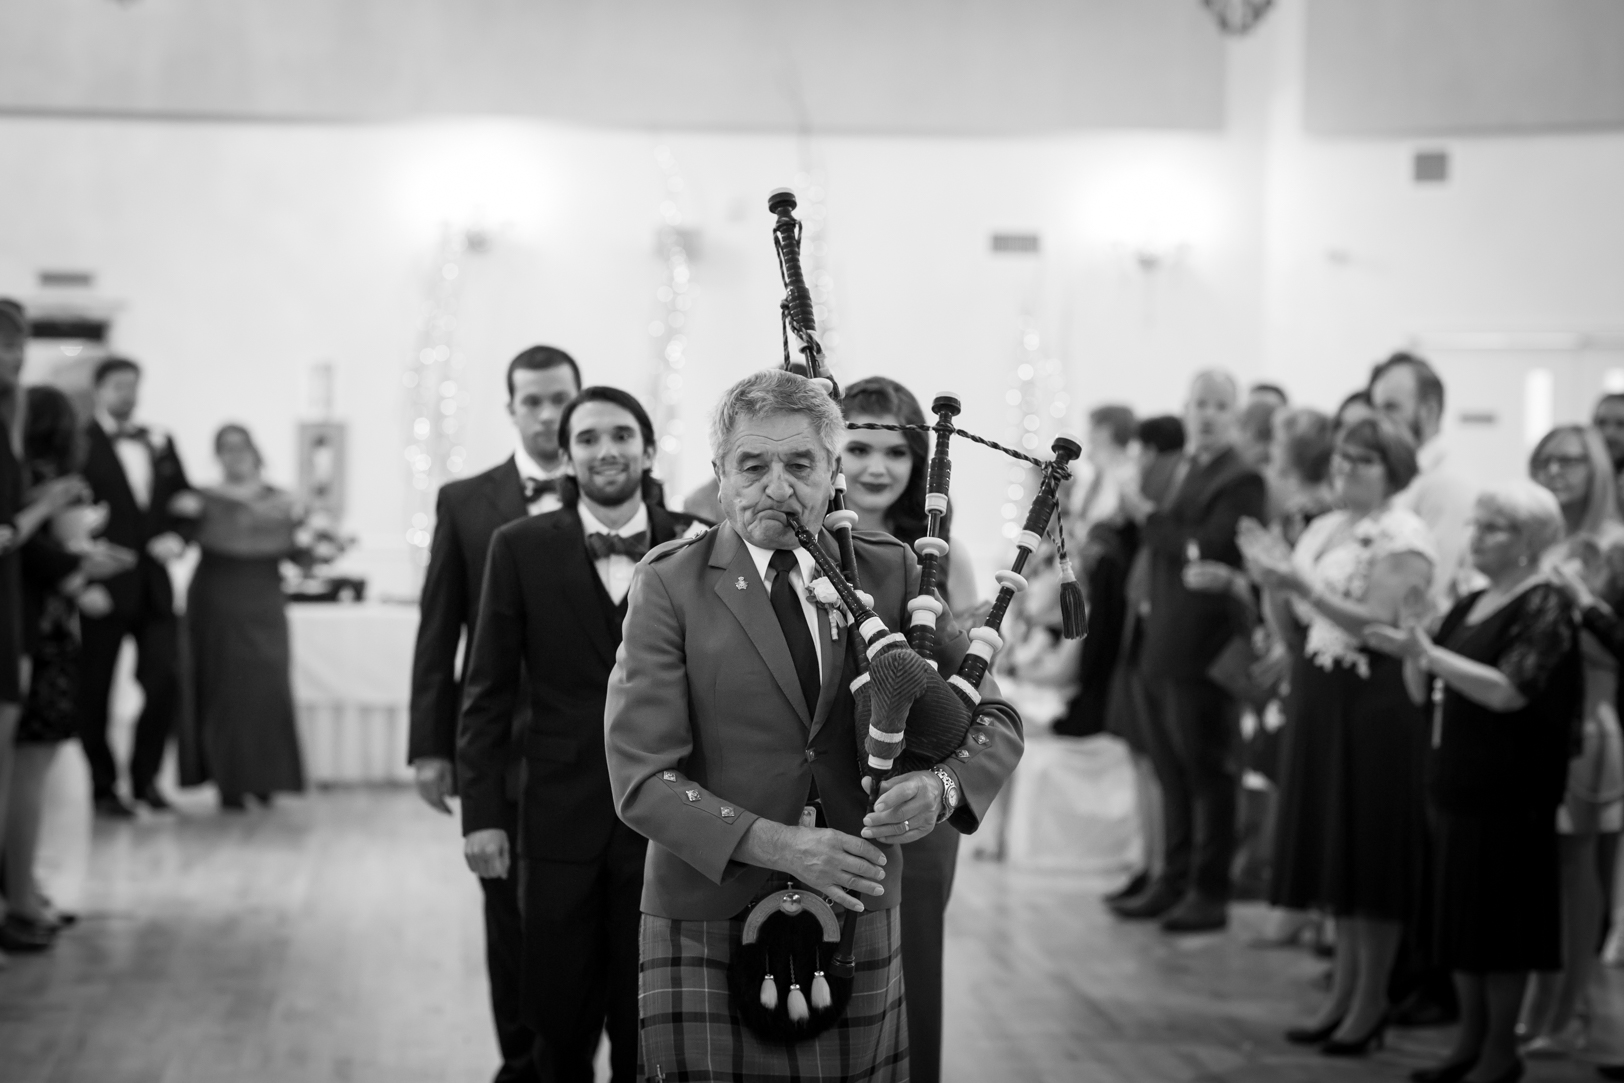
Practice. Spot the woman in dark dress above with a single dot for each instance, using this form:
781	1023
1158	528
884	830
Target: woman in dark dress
59	569
22	512
885	486
238	630
1506	674
1351	833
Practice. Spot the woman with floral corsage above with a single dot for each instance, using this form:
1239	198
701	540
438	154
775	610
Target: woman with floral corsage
1351	836
885	486
243	718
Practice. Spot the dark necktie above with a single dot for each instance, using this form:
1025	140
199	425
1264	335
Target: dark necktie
535	488
608	545
792	619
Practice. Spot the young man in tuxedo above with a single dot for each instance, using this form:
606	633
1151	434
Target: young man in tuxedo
135	471
541	381
554	599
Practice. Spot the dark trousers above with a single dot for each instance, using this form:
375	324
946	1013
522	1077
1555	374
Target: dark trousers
1191	734
927	882
157	669
581	956
504	954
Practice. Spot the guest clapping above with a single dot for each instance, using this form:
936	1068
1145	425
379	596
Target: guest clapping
1351	828
1511	683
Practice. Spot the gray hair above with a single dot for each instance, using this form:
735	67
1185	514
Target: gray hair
1217	376
770	392
1531	508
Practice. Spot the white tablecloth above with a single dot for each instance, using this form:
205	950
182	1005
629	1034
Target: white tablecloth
352	673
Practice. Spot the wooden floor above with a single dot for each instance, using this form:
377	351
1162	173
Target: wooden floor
337	938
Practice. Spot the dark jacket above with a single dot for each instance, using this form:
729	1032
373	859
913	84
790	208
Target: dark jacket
146	586
467	514
1185	630
545	612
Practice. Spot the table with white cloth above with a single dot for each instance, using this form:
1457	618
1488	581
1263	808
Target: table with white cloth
1070	803
352	680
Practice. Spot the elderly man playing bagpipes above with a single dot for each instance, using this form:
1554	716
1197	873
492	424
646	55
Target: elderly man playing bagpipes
736	745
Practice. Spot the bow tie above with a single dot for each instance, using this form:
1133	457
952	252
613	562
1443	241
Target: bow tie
604	545
536	488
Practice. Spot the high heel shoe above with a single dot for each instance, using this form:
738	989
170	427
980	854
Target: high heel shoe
1374	1038
1444	1073
1313	1035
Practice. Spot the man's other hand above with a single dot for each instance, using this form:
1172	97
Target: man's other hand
487	853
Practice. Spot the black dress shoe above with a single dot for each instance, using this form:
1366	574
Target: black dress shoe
1135	886
232	802
19	936
111	806
154	799
1444	1073
1152	903
1610	1071
1197	914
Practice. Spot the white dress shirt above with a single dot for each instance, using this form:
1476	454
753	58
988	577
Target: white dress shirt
529	468
1444	500
615	570
134	455
803	561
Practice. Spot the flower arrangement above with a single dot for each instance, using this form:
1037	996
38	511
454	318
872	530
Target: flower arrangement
317	543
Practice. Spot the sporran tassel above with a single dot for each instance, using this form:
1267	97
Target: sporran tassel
797	1005
1073	607
820	992
769	993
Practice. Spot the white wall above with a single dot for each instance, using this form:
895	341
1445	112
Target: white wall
245	252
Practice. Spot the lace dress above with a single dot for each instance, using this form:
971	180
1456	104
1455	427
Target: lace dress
1495	781
1351	834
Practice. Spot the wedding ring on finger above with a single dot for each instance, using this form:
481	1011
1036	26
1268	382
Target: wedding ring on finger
905	827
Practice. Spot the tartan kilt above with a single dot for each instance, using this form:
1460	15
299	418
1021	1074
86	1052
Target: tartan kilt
690	1034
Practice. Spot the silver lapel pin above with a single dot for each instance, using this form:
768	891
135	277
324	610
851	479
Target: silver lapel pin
740	585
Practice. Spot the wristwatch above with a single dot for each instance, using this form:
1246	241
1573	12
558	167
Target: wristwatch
950	792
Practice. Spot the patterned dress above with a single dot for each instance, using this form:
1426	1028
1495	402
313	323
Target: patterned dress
1351	836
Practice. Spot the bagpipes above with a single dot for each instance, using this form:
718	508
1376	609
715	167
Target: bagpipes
907	716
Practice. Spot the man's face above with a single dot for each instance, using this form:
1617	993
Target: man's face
1609	420
118	394
1397	396
607	453
775	466
1209	415
539	398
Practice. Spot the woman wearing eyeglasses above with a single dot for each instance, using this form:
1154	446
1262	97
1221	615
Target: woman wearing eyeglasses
1573	463
1351	832
1507	678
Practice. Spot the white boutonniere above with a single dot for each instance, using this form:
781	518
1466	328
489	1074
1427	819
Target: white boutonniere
821	593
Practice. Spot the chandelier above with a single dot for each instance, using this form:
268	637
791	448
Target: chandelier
1237	17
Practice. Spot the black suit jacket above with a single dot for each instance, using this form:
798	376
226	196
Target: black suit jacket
545	612
130	525
1185	629
467	514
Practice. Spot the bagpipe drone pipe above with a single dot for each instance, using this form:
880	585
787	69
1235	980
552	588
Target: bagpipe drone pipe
908	717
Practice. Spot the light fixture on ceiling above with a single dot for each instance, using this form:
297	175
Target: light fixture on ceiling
1237	17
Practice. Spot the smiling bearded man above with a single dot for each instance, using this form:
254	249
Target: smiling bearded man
731	746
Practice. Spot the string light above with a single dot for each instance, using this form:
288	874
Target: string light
435	397
675	246
1039	407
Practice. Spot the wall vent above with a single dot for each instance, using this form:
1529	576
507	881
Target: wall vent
1431	167
1024	244
59	280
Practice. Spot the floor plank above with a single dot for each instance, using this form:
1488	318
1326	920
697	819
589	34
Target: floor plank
337	938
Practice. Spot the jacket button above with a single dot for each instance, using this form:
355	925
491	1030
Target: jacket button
811	754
